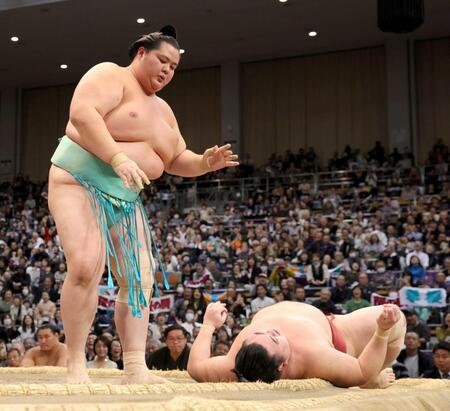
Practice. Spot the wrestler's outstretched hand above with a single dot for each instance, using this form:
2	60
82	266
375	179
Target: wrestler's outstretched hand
390	315
215	314
217	157
130	173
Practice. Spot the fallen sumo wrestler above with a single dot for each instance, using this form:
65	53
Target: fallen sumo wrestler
292	340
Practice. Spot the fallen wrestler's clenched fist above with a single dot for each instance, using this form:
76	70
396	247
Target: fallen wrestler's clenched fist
215	314
390	315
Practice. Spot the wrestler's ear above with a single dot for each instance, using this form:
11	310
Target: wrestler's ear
283	364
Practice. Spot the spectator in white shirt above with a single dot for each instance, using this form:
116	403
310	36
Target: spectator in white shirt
261	300
418	251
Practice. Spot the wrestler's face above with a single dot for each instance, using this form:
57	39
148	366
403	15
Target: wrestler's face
47	340
272	341
158	66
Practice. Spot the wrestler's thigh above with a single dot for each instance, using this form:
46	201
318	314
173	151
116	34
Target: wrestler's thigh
77	225
143	254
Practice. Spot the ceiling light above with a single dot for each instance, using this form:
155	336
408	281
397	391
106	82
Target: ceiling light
63	66
141	20
312	33
182	51
14	39
282	1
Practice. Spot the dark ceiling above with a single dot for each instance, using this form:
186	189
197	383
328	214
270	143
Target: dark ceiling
81	33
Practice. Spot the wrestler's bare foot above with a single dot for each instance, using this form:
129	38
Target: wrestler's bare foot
77	374
143	378
384	379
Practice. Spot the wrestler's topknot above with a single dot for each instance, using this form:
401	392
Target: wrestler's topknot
152	41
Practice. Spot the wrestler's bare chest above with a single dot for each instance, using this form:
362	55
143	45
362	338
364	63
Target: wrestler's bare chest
141	126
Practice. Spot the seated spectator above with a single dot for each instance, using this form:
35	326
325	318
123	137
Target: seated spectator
300	295
182	303
29	343
89	348
340	293
441	281
198	303
418	326
116	353
14	358
222	335
324	303
158	326
317	272
441	361
280	272
151	346
406	280
391	259
8	332
353	276
416	361
6	302
220	348
260	280
367	289
61	274
17	310
373	247
234	302
443	332
175	354
356	302
261	300
49	350
47	286
416	269
45	310
418	252
102	350
190	321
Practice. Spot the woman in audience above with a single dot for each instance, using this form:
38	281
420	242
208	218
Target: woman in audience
198	303
102	350
416	270
317	274
28	328
116	353
356	302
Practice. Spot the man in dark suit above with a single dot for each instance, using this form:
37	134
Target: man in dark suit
175	354
441	360
416	361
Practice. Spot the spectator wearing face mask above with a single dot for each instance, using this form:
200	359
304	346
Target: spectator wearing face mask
190	321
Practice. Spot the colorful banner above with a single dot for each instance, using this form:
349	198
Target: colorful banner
164	303
423	297
386	279
377	299
107	300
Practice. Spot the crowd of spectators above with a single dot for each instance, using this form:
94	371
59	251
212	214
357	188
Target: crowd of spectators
332	248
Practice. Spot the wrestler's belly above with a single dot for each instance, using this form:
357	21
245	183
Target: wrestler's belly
139	151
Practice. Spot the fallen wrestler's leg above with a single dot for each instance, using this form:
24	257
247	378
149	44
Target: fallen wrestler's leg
133	330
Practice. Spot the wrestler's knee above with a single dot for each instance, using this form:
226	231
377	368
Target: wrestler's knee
84	271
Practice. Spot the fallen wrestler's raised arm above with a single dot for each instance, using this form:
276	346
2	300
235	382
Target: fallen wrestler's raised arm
201	366
100	91
186	163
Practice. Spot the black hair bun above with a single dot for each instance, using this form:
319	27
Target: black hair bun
169	31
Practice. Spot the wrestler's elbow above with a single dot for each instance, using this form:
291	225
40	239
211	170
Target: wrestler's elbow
81	114
193	371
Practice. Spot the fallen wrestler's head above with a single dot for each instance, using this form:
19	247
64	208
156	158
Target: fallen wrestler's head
262	357
154	58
